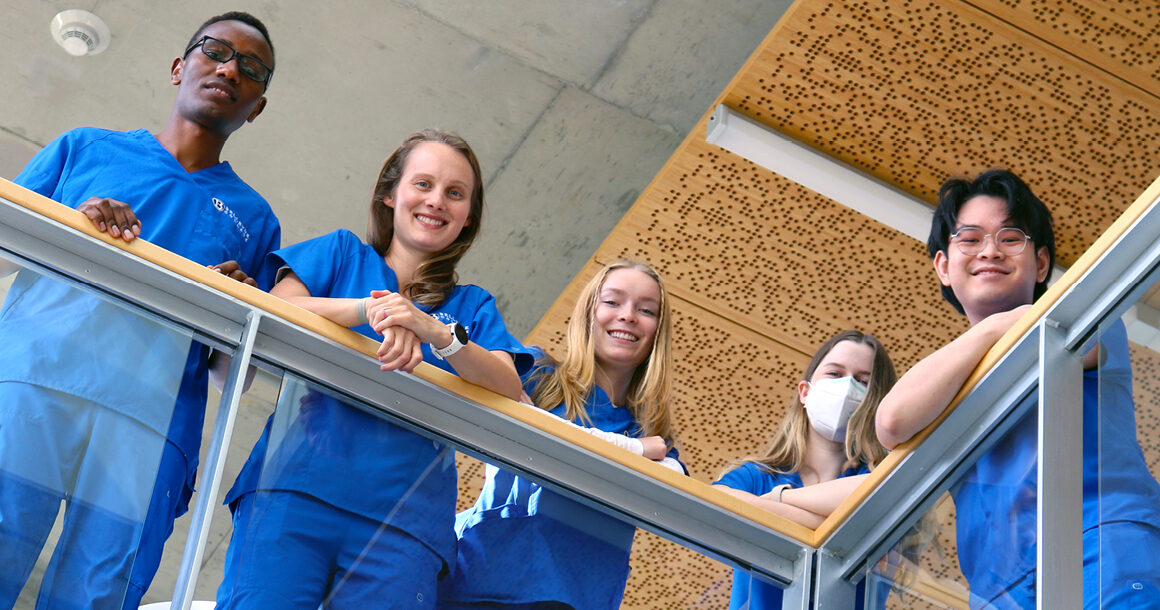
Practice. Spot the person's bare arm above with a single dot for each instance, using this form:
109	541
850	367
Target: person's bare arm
340	311
822	498
793	513
927	388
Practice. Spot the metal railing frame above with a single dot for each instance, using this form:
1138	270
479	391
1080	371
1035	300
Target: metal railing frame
823	577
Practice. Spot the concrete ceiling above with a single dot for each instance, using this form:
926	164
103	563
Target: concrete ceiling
572	106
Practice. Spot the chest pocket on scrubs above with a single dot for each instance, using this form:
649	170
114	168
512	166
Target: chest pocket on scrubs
221	234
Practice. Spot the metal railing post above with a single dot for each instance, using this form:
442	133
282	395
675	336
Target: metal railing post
1059	527
215	463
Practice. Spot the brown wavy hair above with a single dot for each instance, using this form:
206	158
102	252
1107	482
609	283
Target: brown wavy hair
571	380
435	278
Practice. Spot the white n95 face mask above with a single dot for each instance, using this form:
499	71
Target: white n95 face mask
830	404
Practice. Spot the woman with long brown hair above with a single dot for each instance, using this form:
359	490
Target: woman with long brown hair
337	507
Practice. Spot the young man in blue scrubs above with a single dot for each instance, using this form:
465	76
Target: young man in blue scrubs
100	408
993	250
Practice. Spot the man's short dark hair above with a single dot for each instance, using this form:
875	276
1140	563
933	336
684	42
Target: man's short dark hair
244	17
1024	211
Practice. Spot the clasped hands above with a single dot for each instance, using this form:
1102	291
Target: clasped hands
404	328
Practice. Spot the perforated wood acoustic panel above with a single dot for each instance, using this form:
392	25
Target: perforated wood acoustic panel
1146	388
746	244
915	91
1120	36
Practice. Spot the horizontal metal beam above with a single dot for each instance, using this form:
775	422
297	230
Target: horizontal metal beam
1113	283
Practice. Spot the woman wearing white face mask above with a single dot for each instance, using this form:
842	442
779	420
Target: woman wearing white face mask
825	446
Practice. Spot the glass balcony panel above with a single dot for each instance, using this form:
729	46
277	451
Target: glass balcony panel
977	545
355	488
1122	518
922	570
331	483
518	537
90	390
254	409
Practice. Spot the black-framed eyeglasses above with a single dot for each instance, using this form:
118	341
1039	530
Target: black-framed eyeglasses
221	51
1008	240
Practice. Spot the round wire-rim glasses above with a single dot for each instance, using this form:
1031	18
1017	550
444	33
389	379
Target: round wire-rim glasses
1010	241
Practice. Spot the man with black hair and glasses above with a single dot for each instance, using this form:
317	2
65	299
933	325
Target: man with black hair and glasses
993	249
102	409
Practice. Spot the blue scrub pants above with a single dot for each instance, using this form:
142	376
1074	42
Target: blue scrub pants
57	448
1121	571
290	550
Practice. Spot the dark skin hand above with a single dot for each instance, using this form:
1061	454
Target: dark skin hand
232	270
113	217
219	363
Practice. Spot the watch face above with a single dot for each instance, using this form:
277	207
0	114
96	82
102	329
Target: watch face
460	333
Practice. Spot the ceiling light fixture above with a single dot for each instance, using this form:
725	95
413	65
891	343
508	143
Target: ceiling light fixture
819	172
80	32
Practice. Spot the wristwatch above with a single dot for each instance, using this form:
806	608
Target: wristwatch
458	340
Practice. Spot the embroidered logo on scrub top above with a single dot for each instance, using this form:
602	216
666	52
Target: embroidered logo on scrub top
221	206
446	318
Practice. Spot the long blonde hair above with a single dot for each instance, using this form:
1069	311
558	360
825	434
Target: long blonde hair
435	277
571	380
787	449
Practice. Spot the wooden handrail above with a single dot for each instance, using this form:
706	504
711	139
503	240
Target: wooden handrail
319	325
543	421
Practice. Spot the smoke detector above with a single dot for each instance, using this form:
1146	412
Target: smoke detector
80	32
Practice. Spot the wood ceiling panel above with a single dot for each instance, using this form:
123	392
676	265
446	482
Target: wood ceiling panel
1146	391
1119	36
750	245
914	91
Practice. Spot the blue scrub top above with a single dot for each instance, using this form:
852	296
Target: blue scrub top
354	460
57	337
521	543
995	504
752	594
